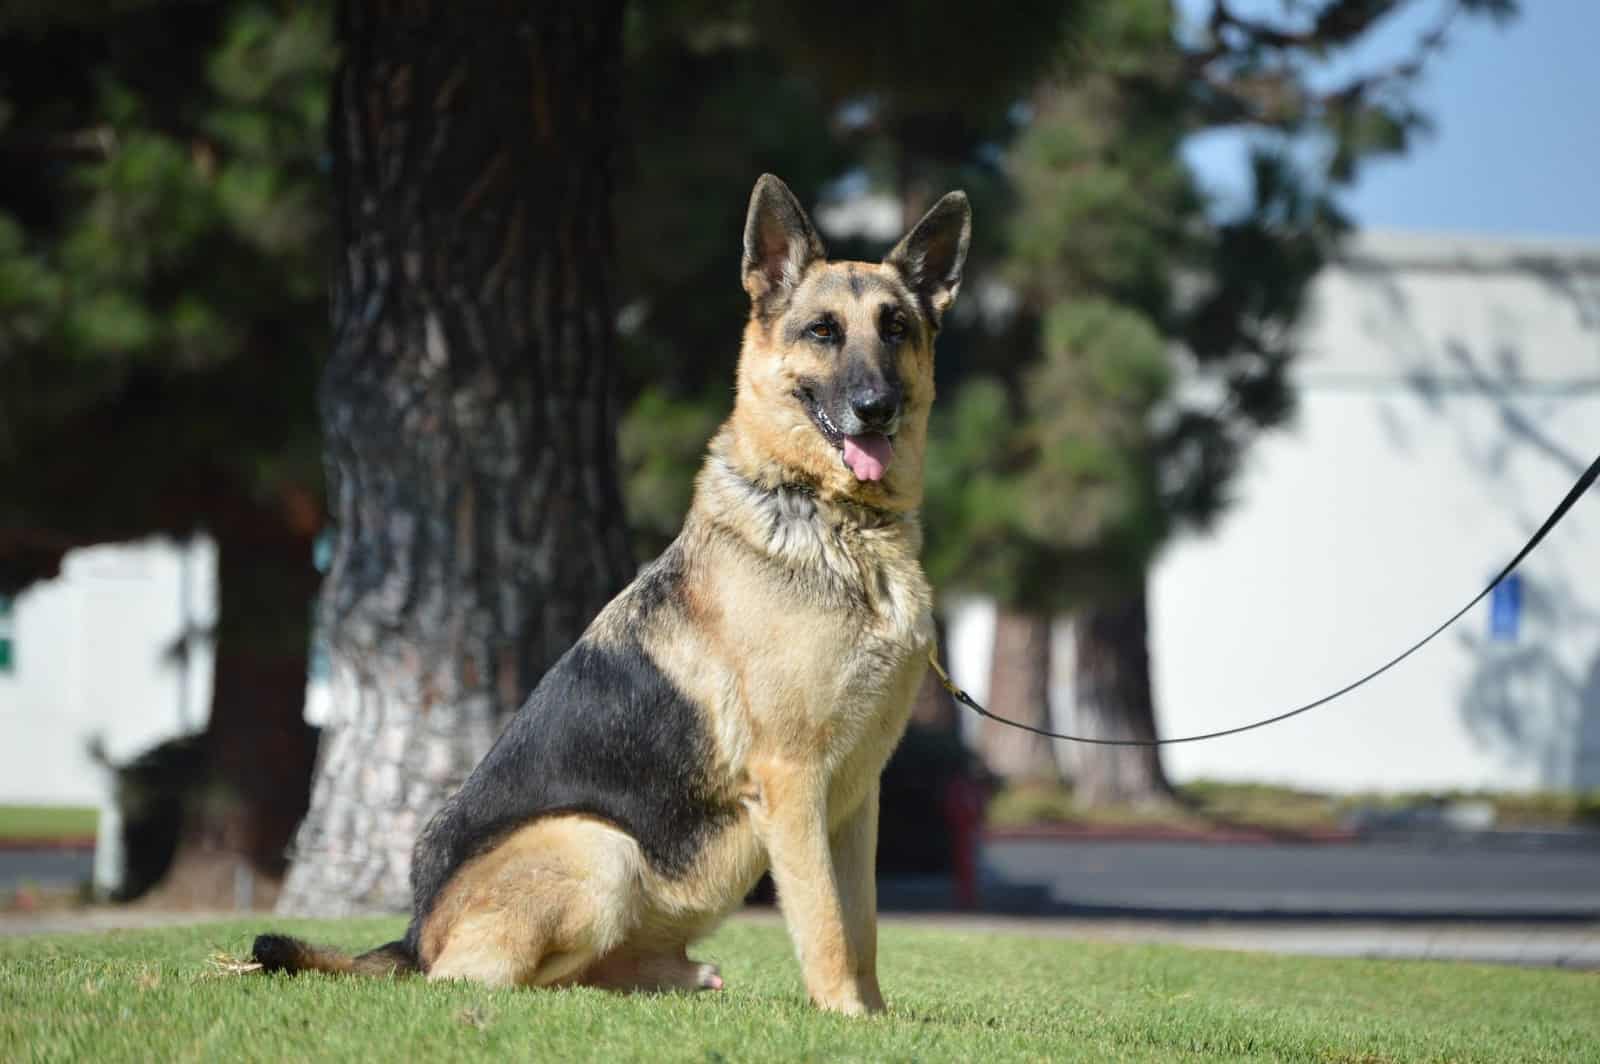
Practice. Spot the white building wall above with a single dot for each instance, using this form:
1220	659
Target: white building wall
1449	396
91	661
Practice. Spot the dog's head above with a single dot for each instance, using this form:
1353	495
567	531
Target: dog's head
836	371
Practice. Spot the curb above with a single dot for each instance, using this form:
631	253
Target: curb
70	842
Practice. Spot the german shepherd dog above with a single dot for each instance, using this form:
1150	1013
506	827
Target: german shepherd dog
732	709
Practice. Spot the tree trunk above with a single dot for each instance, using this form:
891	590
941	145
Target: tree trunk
1019	690
1114	702
468	408
258	750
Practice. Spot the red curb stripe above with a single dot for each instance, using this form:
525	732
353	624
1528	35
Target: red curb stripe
1092	833
71	842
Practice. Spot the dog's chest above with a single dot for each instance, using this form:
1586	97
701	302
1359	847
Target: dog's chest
865	574
844	621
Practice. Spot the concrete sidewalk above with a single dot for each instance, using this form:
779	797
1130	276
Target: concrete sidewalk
1575	946
107	918
1535	945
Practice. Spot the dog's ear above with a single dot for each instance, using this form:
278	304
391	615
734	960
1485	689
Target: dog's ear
779	243
931	256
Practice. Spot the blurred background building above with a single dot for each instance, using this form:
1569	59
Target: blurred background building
112	656
1449	395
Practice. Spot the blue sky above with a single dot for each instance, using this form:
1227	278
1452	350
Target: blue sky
1516	145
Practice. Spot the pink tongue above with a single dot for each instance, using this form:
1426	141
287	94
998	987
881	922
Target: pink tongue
868	456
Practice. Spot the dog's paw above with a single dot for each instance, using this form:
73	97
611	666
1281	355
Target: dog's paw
864	1001
707	977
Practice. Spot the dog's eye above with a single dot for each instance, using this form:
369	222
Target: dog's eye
895	328
822	330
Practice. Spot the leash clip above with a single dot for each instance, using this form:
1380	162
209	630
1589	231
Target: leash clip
949	685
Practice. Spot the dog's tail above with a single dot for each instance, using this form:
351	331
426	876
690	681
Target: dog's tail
280	953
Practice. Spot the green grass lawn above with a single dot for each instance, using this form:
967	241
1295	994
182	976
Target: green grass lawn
952	996
47	822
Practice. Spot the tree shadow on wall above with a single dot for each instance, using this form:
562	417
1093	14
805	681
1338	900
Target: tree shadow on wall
1526	701
1586	768
1525	704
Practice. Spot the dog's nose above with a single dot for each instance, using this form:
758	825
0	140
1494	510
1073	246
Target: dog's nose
876	407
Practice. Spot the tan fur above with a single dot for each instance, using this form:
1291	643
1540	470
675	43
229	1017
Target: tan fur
772	439
539	908
801	636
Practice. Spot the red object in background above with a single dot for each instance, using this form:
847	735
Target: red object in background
964	800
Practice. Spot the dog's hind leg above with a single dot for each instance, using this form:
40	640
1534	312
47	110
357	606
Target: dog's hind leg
538	909
636	968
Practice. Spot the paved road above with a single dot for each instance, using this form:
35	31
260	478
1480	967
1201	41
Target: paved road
1372	879
1182	879
45	868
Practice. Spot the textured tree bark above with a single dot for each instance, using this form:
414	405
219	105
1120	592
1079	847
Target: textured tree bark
1019	690
1114	702
468	408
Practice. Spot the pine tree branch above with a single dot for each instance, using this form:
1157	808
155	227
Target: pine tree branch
1237	90
1337	23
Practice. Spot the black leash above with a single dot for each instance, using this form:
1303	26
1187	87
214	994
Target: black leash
1583	485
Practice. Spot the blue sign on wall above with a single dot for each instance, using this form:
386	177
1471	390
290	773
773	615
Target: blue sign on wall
1505	608
7	636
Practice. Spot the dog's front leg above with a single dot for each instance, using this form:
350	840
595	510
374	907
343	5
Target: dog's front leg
855	848
792	819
